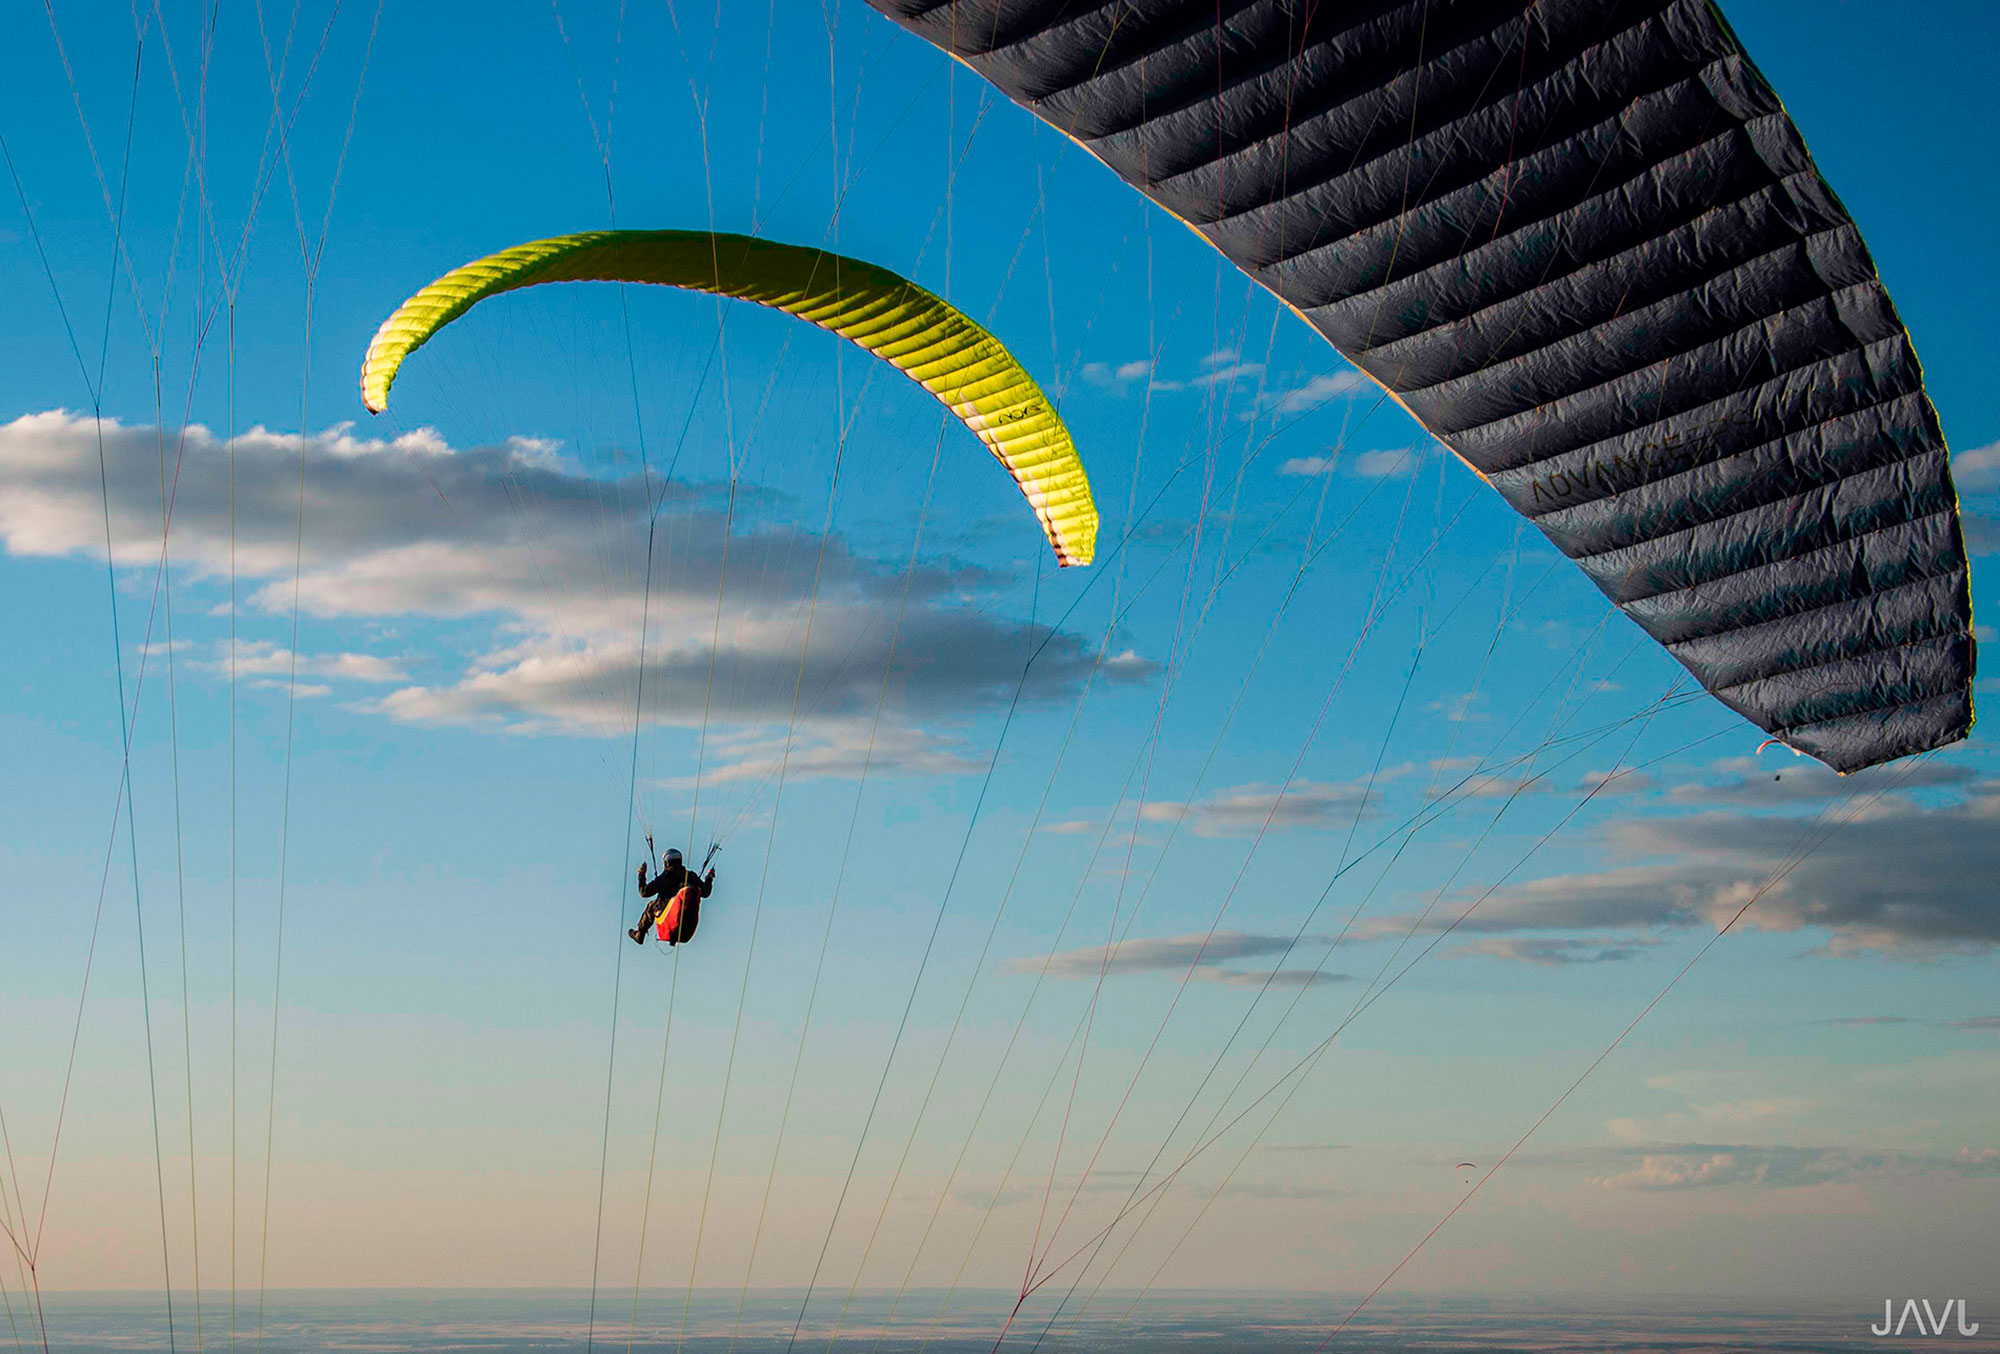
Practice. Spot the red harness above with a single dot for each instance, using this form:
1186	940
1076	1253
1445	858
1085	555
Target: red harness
670	920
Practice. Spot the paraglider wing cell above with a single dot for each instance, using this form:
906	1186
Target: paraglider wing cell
966	368
1584	245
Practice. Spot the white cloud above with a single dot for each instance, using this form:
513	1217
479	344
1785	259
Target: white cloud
263	658
841	749
303	690
1375	465
1783	777
1310	465
1551	951
1284	977
1245	809
1977	470
1368	465
1203	954
1220	368
1117	379
1315	392
1458	709
552	560
1621	782
1673	1166
1693	1170
1892	874
1226	374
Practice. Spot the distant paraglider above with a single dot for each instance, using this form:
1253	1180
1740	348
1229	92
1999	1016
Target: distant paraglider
933	343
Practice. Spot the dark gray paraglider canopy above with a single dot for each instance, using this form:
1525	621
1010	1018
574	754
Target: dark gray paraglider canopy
1584	245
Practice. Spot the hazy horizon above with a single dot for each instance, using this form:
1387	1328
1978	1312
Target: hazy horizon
470	1319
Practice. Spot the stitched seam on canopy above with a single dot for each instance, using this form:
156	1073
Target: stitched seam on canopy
1951	565
1626	255
1859	345
1881	403
1197	94
1760	505
1893	703
1447	129
1497	369
1444	132
1859	599
1896	703
1559	215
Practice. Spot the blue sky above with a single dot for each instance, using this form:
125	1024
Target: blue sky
1305	626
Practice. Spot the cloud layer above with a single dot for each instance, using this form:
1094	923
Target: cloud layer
1678	1166
1977	470
1882	870
1206	954
553	562
1222	368
1245	810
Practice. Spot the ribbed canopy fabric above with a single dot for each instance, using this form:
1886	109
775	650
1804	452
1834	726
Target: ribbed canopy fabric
1582	242
966	368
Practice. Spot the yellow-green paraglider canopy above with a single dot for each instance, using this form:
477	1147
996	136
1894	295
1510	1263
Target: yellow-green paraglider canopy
932	342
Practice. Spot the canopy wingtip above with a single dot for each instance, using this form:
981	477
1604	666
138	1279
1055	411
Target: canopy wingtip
375	385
